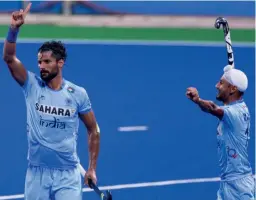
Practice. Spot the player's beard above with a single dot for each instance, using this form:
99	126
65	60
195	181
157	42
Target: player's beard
48	76
218	97
221	96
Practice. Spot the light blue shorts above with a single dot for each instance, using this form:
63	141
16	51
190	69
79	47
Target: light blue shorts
242	189
53	184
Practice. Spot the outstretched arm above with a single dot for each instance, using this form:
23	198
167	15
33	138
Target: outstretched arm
16	68
206	106
211	107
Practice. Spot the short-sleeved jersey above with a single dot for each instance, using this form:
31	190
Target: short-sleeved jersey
233	136
53	121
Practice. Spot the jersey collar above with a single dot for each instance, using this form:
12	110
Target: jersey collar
61	87
236	102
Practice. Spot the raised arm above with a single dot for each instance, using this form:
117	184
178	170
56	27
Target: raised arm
206	106
16	68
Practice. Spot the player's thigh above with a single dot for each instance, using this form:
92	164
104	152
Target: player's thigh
220	192
67	194
68	185
242	189
37	184
227	191
219	195
246	188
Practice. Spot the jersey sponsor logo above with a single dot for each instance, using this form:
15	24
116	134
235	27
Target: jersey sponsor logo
55	123
231	152
53	110
42	97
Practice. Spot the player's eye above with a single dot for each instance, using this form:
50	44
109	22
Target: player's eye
39	62
47	61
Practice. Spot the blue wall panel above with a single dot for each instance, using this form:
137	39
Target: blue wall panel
199	8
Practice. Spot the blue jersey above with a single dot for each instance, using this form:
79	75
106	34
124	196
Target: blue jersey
233	136
53	121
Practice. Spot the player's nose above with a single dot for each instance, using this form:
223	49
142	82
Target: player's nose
41	67
217	85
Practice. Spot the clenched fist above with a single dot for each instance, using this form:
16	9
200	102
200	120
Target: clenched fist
192	94
90	174
18	17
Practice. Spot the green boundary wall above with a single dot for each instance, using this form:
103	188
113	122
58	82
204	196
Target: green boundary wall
119	33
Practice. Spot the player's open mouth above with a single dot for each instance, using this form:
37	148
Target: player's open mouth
44	73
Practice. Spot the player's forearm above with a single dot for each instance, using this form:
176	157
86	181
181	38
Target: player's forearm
205	105
210	107
9	51
94	146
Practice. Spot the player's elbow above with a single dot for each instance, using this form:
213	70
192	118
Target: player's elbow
93	129
94	133
94	138
8	58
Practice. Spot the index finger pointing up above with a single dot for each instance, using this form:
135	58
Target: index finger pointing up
27	9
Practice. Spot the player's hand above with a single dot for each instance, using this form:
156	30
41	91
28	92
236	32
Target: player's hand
90	174
192	94
18	17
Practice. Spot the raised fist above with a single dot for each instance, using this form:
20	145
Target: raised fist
192	94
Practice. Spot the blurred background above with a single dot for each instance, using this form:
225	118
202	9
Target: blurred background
185	8
135	59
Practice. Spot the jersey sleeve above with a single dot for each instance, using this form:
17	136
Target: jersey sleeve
231	115
85	104
29	83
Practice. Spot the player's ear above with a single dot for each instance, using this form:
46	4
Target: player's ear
233	89
60	63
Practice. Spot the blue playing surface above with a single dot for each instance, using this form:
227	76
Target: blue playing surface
135	85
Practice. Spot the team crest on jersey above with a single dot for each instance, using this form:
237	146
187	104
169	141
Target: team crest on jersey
68	101
53	110
70	89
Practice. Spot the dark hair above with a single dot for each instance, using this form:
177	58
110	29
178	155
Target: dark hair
57	47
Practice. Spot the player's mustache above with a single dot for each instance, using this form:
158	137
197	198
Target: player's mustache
44	71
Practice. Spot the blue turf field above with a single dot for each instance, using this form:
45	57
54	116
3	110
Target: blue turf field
132	86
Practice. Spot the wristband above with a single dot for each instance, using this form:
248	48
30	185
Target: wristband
12	34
